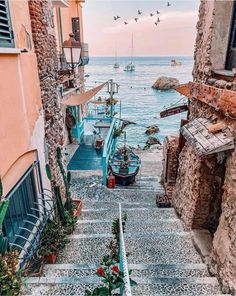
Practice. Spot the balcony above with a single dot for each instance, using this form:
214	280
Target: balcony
84	55
60	3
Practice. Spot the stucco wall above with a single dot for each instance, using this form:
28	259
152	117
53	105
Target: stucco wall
21	106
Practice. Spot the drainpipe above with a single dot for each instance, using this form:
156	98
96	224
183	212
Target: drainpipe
60	25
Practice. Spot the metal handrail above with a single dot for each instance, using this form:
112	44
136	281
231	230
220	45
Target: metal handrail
123	259
108	149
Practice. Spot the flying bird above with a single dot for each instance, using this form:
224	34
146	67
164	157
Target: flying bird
139	12
156	23
115	18
125	23
136	19
158	20
168	4
158	12
151	14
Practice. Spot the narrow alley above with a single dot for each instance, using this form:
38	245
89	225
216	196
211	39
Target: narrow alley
162	257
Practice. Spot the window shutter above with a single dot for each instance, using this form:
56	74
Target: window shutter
76	28
6	34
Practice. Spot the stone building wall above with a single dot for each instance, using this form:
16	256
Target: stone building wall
46	51
205	192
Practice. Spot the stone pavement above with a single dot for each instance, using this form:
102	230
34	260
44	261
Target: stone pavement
162	256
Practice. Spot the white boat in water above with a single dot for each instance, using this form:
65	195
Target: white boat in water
131	66
116	65
175	63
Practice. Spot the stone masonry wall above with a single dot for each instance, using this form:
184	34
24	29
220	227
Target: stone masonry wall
45	49
199	195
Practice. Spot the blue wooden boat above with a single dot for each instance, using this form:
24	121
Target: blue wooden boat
124	165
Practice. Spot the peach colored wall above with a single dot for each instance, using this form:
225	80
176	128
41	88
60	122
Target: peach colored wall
74	10
20	97
20	18
20	103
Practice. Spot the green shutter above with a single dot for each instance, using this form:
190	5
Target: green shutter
6	34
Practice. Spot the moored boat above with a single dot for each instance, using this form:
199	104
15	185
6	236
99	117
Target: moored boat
124	166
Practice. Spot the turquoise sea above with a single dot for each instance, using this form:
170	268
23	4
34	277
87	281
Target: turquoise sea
140	103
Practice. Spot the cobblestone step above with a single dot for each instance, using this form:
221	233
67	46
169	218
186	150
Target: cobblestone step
150	226
141	214
114	205
146	286
138	270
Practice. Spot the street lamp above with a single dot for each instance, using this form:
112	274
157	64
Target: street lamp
112	88
72	51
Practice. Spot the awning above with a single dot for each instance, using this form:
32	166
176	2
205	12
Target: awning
203	141
80	99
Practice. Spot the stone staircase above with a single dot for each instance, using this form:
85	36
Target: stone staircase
162	257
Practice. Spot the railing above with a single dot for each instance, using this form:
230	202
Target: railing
80	130
108	149
28	236
123	259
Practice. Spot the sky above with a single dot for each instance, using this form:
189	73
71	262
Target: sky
174	35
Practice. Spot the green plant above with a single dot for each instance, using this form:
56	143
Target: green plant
1	188
112	278
115	242
10	277
60	206
4	245
117	132
66	178
53	238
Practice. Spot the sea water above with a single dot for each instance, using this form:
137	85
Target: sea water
140	103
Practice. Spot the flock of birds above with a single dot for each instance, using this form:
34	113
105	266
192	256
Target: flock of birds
140	13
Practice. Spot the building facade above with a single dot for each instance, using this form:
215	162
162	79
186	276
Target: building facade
32	119
205	190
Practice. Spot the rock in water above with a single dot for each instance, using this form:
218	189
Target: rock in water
165	83
153	141
153	129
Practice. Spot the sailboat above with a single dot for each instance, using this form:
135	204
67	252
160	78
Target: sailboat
131	66
116	65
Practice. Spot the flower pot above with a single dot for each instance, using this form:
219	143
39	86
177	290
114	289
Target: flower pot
79	206
51	258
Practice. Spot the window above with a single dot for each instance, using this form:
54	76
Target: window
6	34
76	28
231	56
23	211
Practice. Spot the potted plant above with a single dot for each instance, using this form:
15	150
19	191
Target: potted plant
77	204
10	276
53	240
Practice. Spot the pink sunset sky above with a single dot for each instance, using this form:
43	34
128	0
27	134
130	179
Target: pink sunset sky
174	35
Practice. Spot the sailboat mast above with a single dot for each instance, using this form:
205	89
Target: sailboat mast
132	49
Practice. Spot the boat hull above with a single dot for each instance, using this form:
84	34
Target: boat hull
126	170
125	180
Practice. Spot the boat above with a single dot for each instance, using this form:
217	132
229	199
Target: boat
116	65
124	166
86	75
175	63
131	66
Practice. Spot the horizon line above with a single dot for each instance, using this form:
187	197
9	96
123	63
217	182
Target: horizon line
138	56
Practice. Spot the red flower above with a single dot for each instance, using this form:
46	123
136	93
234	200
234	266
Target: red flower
115	268
100	272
